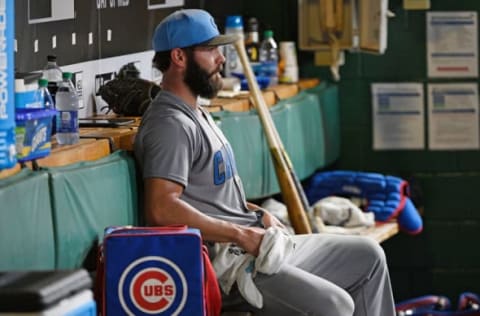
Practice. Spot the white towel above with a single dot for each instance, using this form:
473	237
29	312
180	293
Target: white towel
232	264
339	211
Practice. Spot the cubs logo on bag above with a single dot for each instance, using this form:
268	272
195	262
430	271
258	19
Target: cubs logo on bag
153	285
153	271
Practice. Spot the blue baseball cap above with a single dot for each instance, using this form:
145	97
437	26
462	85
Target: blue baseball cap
188	27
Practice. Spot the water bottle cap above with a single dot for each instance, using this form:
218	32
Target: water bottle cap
268	34
67	75
51	58
42	82
234	21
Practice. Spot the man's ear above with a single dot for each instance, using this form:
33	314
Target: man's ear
178	57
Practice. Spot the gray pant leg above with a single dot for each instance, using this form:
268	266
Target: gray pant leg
356	264
293	291
316	279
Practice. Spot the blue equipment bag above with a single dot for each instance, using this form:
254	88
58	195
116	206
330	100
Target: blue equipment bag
387	196
153	271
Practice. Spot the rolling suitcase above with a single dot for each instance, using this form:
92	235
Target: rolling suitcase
155	271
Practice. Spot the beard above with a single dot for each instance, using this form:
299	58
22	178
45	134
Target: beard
200	82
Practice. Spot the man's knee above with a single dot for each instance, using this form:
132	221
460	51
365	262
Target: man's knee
372	249
336	305
335	302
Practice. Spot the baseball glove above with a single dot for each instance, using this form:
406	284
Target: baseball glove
128	96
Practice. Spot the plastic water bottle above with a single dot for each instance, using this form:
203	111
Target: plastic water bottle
53	74
67	104
233	25
48	102
269	57
45	94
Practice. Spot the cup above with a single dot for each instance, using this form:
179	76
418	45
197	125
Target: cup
288	53
288	63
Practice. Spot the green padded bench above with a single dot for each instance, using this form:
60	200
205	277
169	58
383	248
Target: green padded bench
26	227
86	198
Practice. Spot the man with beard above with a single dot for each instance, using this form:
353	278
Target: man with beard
190	178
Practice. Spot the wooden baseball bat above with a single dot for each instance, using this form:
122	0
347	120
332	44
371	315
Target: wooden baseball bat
287	180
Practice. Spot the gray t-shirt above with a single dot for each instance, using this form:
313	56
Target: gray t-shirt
176	143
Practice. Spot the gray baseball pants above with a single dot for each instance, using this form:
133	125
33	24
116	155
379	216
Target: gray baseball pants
328	275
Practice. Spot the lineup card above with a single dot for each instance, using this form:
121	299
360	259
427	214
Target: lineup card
398	116
453	116
452	45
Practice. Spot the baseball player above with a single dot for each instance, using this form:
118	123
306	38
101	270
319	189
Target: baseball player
190	178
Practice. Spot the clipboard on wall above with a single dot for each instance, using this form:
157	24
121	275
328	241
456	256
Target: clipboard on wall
372	24
312	33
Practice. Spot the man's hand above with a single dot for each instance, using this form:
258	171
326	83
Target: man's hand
250	239
270	220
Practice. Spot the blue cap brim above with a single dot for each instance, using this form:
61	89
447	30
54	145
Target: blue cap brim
221	40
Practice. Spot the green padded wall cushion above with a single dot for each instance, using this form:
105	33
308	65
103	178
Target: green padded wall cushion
86	198
298	121
300	126
26	229
328	95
